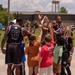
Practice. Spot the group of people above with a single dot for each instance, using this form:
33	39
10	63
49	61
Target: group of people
49	54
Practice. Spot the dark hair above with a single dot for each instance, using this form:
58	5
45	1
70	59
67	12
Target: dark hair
31	39
57	17
48	38
19	19
60	41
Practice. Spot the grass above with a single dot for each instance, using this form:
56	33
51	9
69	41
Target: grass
2	33
1	36
36	32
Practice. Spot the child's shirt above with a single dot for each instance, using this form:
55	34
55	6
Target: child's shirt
32	51
58	51
47	55
22	49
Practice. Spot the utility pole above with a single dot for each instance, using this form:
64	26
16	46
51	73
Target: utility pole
8	11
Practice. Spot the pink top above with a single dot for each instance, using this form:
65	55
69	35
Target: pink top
47	54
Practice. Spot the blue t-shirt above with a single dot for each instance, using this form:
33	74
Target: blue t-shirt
22	49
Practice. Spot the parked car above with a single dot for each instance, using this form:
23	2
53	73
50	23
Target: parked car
4	28
72	27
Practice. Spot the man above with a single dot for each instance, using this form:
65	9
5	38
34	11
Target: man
14	36
60	29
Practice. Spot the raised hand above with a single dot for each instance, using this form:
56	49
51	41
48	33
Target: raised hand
46	19
40	26
39	16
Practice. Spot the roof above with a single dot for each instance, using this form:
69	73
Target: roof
32	13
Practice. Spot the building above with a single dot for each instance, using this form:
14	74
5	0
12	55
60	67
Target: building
67	19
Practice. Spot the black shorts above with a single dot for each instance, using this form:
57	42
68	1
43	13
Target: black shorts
13	54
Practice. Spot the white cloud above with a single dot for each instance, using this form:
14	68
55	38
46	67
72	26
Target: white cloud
28	5
37	5
49	7
66	1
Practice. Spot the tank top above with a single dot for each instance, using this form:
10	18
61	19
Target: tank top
15	35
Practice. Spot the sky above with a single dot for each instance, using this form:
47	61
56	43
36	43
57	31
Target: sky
37	5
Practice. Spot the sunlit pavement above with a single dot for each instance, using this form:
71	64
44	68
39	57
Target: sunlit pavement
3	66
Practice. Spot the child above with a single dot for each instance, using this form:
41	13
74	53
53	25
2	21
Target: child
22	67
58	51
69	44
46	56
32	50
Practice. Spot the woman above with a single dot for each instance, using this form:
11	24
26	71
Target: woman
69	44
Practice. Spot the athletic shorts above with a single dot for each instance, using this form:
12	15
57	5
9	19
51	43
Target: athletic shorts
56	69
13	54
46	71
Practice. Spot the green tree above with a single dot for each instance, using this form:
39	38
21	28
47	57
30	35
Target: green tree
4	15
63	10
17	14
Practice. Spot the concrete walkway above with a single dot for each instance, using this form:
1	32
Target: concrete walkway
3	66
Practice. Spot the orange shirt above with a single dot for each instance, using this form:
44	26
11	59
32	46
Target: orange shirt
32	51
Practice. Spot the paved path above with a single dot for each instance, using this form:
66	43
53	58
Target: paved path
3	66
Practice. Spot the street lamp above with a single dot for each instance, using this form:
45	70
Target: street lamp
8	11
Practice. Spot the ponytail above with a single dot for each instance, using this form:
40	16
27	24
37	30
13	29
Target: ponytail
31	43
31	40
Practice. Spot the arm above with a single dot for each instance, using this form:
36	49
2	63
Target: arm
58	60
72	49
29	27
50	29
35	58
40	27
25	33
55	31
39	17
41	56
40	59
40	36
60	56
26	50
45	29
71	53
41	21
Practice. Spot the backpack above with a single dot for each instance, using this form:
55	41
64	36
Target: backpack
65	54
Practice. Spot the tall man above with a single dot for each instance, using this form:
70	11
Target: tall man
13	38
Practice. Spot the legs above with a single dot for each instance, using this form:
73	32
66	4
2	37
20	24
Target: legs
17	70
49	70
30	70
22	69
9	69
62	71
68	70
35	70
56	69
46	71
